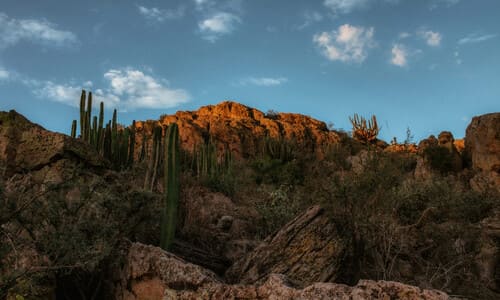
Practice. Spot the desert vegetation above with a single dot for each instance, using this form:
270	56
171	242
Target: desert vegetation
423	231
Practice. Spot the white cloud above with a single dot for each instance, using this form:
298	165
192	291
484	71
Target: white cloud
432	38
62	93
128	89
399	55
310	17
476	38
404	35
348	43
345	6
4	74
139	90
161	15
219	24
13	31
264	81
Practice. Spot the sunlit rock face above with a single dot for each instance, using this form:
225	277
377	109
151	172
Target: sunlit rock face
241	129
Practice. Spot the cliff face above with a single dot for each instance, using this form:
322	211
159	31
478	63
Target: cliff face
241	129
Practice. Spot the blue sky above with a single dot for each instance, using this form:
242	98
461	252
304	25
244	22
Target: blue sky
429	65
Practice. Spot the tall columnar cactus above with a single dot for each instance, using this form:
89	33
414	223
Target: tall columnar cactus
131	145
100	129
83	98
73	129
364	131
142	156
154	161
115	144
88	116
171	182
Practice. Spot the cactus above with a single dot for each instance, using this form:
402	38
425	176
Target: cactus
131	145
83	97
142	156
88	117
115	144
363	131
100	129
171	183
154	161
73	129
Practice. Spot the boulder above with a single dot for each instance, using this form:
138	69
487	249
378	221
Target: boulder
151	273
26	147
482	143
310	248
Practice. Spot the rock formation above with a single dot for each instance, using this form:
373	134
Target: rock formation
311	248
482	144
241	129
151	273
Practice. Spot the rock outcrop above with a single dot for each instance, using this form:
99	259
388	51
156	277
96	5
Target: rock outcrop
482	144
453	158
57	195
241	129
488	259
26	147
151	273
310	248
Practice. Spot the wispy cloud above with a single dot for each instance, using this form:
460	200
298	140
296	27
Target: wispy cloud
203	4
263	81
161	15
347	44
310	17
476	38
217	25
432	38
448	3
13	31
127	89
404	35
345	6
399	55
4	74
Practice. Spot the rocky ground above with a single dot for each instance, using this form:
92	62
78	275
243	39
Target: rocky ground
72	228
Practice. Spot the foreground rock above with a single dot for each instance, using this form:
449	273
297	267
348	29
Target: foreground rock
151	273
60	207
311	248
482	143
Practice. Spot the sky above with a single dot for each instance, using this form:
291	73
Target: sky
426	65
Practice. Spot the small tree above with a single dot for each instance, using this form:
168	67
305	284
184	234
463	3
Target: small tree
364	131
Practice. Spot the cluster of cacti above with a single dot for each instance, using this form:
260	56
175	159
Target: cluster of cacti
114	144
206	162
154	159
171	183
280	149
364	131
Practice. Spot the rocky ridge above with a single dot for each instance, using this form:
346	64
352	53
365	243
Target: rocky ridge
241	129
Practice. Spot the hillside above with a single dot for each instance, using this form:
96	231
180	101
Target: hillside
270	205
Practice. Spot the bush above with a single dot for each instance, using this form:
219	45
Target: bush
440	159
279	208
